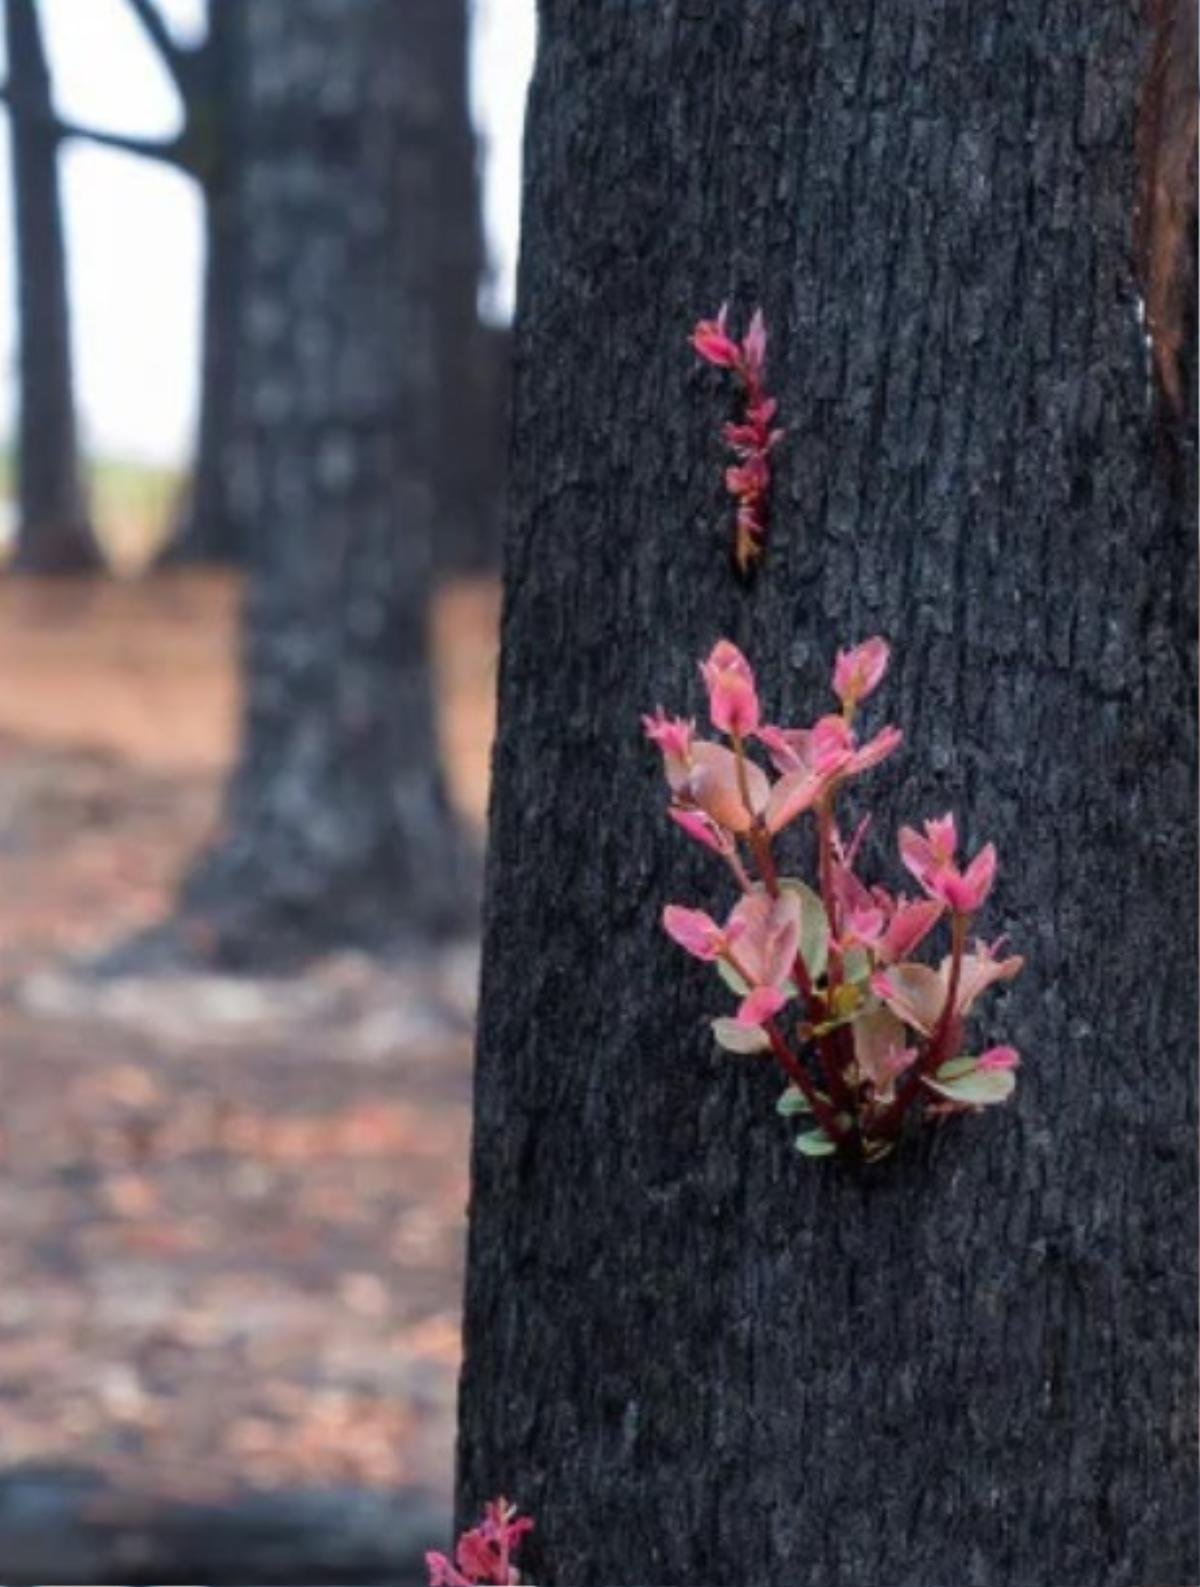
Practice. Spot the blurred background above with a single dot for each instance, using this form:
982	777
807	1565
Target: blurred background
255	285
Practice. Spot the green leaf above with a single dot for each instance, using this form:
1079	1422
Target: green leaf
956	1068
815	1143
791	1101
978	1088
731	978
814	927
727	1033
876	1151
857	965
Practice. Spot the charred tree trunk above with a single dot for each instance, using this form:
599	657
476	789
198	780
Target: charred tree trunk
54	534
692	1355
338	824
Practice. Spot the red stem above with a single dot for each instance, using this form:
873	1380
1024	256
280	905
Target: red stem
739	871
825	863
743	782
843	1044
958	941
833	1065
760	844
796	1072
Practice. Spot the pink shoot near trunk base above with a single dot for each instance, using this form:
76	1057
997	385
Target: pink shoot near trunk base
866	1035
483	1556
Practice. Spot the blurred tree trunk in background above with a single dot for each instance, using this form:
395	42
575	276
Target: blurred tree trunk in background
54	533
692	1355
473	357
207	78
338	826
209	529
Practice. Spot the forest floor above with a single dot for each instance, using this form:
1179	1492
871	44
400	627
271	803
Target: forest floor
231	1211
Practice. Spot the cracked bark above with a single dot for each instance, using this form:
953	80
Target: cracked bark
693	1356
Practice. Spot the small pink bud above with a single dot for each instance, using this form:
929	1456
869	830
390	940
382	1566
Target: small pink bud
924	856
977	879
732	698
674	738
999	1058
754	345
740	438
713	343
750	478
943	837
672	734
931	861
858	672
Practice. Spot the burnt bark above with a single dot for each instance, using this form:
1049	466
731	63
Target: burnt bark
54	532
338	826
692	1355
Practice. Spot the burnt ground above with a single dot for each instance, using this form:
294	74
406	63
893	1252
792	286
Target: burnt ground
231	1211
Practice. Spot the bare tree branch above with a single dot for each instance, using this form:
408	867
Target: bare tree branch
169	151
174	57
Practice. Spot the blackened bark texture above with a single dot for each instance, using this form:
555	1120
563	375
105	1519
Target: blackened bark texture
470	484
695	1357
338	825
54	534
209	530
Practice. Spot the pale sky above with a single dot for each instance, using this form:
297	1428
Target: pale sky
133	227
